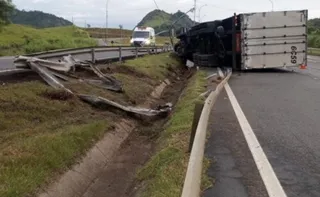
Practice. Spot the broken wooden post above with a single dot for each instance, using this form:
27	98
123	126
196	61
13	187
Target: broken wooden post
196	116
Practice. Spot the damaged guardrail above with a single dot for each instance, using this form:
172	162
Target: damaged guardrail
91	52
192	183
55	72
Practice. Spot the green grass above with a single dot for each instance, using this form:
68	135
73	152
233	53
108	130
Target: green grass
315	51
147	64
19	39
165	172
111	33
41	137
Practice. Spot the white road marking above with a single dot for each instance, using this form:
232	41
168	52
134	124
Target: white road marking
269	177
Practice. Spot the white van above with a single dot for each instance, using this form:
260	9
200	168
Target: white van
143	36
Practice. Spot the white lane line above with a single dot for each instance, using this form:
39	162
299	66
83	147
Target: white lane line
269	178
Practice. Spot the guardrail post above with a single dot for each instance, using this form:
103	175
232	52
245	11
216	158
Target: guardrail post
120	54
136	52
196	116
93	55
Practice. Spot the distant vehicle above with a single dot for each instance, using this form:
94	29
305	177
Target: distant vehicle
248	41
143	36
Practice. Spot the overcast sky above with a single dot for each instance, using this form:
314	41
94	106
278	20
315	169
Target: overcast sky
130	12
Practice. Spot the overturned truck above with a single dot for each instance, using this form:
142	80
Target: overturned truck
248	41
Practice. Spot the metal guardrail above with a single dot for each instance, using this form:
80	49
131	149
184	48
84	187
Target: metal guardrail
86	48
137	52
94	50
192	183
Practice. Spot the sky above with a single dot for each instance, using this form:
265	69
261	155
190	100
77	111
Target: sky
129	12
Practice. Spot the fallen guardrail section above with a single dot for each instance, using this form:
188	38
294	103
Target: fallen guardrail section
192	183
54	73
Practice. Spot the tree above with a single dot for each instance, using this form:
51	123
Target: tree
6	7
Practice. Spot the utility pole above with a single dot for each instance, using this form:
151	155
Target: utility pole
271	5
107	18
195	11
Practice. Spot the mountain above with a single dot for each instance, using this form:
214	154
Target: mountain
37	19
161	20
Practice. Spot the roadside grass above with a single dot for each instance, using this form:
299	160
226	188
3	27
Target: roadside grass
43	131
111	33
19	39
164	62
314	51
165	172
40	136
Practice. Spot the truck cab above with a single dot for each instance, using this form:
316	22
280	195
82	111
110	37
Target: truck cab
143	36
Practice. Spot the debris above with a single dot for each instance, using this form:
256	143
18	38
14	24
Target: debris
51	70
210	76
108	82
48	77
98	101
66	65
189	64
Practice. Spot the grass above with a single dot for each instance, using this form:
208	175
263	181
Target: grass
111	33
314	51
165	172
19	39
42	136
146	65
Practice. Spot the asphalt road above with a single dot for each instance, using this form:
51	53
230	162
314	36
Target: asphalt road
7	62
283	109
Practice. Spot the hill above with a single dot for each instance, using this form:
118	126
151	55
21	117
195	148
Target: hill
161	20
37	19
112	32
19	39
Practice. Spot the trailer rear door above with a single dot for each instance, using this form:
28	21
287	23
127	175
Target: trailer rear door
274	39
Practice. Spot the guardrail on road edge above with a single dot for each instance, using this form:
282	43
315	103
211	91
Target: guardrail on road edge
192	183
138	51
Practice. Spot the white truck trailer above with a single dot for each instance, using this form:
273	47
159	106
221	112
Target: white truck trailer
273	39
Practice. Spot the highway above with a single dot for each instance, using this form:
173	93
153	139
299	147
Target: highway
283	110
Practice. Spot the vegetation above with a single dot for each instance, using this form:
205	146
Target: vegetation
37	19
165	172
314	33
43	131
111	33
6	7
161	20
40	136
19	39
